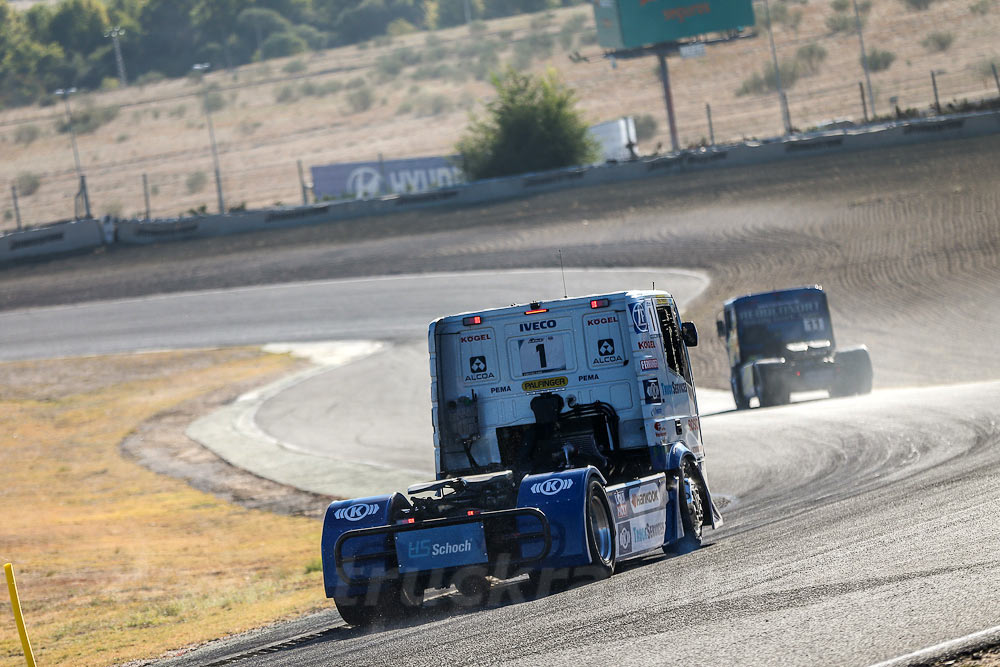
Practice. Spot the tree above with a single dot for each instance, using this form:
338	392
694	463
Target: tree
78	25
532	125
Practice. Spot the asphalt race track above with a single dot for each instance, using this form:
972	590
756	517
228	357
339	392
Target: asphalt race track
857	530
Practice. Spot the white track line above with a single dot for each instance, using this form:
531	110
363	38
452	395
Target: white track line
968	642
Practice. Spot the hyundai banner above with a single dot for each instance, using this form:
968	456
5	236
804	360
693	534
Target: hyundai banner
371	179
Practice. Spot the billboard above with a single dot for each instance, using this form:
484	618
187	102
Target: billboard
629	24
371	179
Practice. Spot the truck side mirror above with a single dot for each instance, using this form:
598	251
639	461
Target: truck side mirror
720	328
689	333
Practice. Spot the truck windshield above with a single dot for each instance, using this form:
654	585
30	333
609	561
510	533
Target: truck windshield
766	323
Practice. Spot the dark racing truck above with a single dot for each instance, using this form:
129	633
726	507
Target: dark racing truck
782	342
567	439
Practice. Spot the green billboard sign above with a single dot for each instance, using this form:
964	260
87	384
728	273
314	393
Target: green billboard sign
629	24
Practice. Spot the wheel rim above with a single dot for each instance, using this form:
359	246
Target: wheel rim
600	527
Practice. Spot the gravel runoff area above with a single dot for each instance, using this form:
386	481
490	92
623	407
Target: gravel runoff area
906	242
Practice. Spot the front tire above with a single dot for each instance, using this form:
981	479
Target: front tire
692	510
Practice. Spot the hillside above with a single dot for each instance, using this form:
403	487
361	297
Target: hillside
411	96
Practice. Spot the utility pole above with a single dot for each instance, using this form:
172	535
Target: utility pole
785	116
668	100
203	67
864	59
114	34
65	93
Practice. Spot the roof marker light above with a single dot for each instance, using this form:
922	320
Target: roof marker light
475	319
536	311
599	303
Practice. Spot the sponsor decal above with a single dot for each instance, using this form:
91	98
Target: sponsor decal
648	532
651	391
538	325
594	321
621	504
429	548
647	344
606	353
625	538
694	424
500	390
356	512
551	487
606	347
474	338
660	429
545	383
478	371
649	365
645	498
588	378
370	179
638	312
674	388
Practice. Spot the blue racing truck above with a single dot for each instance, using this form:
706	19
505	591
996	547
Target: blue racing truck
567	439
782	342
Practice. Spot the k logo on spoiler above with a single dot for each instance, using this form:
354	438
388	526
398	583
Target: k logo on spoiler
356	512
551	487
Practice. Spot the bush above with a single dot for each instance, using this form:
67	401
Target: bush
841	23
879	60
645	127
27	183
809	57
428	71
314	38
531	125
764	82
938	41
88	119
477	27
360	99
985	67
195	182
294	66
840	5
588	38
400	27
110	83
286	94
282	44
523	55
214	101
356	82
26	134
981	7
918	5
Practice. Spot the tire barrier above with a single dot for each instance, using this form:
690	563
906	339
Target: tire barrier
63	238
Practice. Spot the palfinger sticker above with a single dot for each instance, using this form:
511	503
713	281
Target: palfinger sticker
544	384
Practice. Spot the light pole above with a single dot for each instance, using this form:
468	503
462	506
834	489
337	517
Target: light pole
864	58
65	93
114	34
785	117
202	68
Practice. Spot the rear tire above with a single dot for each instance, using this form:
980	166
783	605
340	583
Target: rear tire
394	601
600	535
742	402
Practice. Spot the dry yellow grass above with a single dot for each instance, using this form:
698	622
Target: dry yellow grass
114	562
161	131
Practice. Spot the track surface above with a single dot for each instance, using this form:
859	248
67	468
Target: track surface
861	528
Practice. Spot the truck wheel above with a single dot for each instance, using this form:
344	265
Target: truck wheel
355	612
394	601
600	534
742	402
692	510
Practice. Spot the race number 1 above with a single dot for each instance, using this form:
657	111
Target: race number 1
541	354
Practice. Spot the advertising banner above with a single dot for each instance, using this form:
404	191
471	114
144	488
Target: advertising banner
371	179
